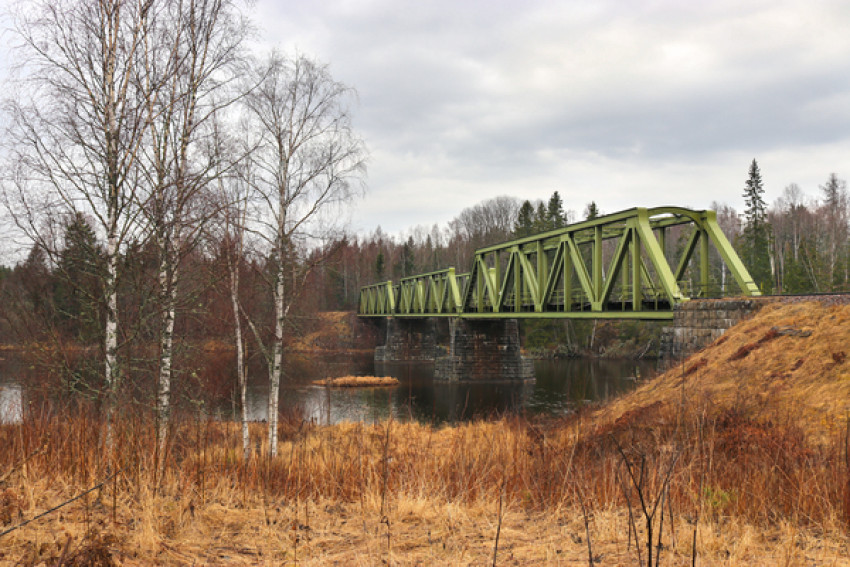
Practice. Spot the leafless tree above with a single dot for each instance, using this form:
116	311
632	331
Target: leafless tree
485	223
308	162
228	234
730	224
835	213
193	60
77	126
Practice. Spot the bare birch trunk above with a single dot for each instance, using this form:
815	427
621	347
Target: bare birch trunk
277	361
168	291
240	356
110	343
112	206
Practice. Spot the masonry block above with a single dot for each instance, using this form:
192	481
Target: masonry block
699	322
483	350
408	340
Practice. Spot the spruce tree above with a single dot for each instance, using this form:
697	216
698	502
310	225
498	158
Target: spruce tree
755	240
379	266
555	212
78	275
524	224
540	218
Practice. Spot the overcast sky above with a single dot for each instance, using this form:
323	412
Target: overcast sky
631	103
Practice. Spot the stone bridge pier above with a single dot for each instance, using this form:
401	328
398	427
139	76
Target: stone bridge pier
408	340
471	349
483	350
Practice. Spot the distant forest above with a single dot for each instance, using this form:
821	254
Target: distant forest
803	239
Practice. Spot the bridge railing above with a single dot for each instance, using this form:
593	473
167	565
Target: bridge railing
615	266
432	293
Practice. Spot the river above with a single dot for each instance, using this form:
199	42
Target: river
560	387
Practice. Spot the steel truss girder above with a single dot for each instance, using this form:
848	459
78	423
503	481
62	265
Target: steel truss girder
564	273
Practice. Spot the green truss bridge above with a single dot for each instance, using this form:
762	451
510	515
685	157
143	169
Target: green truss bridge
635	264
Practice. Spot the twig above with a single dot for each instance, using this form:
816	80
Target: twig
386	520
21	463
63	504
638	483
499	525
386	471
585	513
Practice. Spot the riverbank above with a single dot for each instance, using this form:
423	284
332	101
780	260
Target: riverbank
741	450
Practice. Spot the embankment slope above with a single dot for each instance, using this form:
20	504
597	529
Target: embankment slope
788	363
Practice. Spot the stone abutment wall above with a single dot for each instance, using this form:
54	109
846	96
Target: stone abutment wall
699	322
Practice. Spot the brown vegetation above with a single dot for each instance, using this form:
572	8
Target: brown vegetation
744	461
357	382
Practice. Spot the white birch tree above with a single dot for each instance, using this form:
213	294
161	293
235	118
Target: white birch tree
77	124
308	162
193	60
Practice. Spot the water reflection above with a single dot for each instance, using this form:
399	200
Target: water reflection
11	403
561	387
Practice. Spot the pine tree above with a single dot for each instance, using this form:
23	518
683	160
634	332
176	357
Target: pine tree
540	218
591	211
408	266
524	224
755	209
379	266
555	212
79	271
755	239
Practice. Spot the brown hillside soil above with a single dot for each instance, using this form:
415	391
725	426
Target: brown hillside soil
787	365
331	331
740	450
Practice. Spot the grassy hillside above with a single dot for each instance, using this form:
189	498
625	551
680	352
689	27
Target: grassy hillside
787	365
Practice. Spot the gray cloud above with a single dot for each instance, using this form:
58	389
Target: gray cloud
626	102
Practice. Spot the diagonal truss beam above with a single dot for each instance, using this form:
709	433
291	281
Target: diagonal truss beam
615	266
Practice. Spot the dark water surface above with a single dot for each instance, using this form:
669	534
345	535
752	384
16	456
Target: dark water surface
560	387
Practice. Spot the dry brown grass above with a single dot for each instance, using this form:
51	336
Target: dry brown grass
357	382
786	365
754	475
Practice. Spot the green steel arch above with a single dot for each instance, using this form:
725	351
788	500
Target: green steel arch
616	266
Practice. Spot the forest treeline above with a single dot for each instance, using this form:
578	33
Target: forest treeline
799	244
804	240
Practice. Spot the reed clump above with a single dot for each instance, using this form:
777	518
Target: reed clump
691	466
358	382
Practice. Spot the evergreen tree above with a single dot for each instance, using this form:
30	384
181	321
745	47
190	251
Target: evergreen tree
79	272
408	266
755	239
755	210
591	211
524	224
379	266
541	222
555	212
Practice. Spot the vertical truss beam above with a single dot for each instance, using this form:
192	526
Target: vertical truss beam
611	267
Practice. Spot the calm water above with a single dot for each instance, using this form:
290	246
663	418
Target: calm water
11	402
561	386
